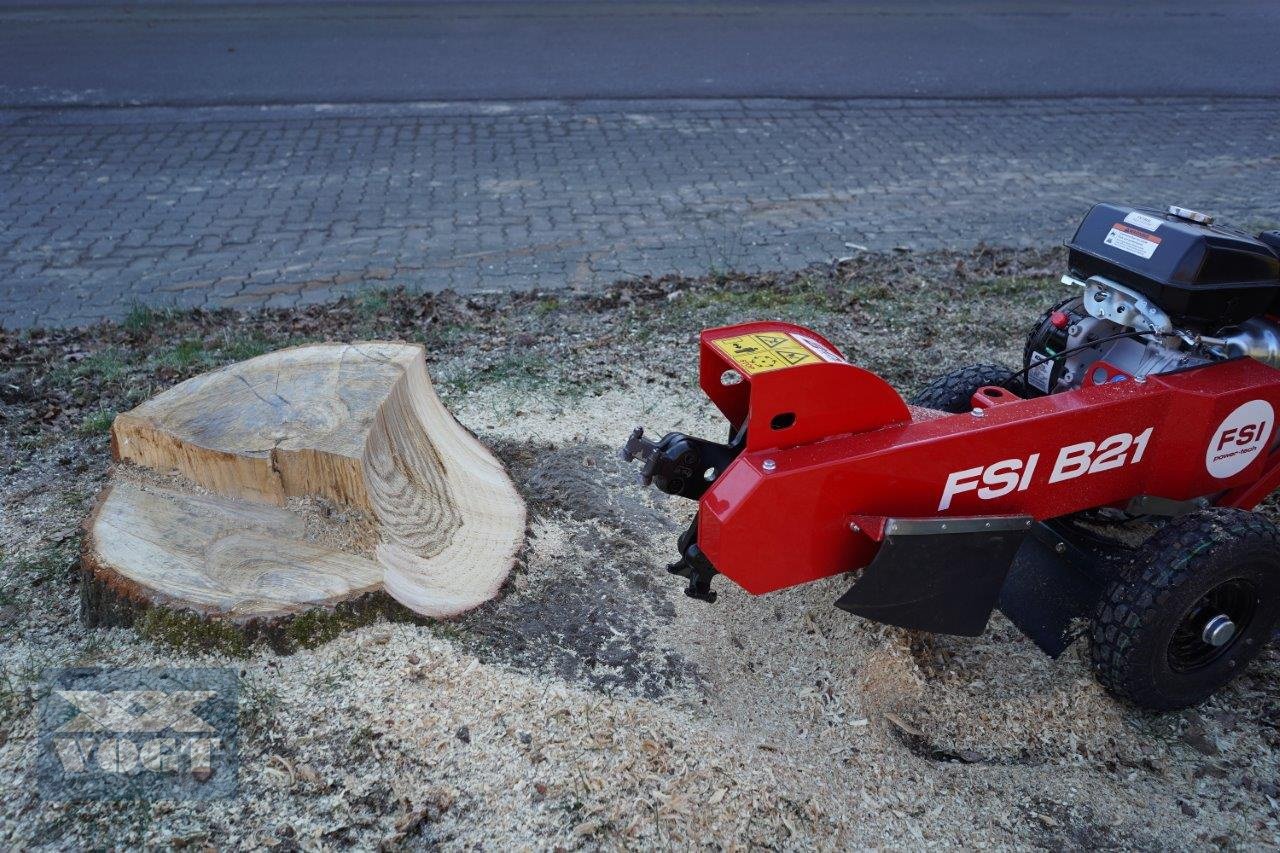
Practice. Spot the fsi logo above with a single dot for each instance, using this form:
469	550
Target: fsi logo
1074	460
1239	439
131	734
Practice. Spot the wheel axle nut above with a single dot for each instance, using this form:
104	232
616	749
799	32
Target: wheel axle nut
1218	631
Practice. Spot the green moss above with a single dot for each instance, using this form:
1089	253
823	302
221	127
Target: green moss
447	630
867	293
362	737
317	627
187	632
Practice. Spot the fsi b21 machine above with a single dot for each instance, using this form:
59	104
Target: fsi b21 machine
1104	488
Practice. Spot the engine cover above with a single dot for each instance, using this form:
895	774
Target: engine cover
1201	274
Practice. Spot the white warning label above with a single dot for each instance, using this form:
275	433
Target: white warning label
1132	240
1040	373
824	352
1143	220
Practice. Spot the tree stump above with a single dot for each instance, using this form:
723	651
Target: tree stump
317	477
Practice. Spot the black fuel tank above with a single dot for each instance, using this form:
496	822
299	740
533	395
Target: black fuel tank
1207	274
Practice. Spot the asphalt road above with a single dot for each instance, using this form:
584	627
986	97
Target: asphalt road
304	52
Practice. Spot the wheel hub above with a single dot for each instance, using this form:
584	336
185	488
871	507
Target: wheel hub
1219	630
1211	627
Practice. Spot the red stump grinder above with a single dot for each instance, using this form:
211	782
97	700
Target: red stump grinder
1105	488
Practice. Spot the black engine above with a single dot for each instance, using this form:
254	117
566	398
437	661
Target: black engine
1160	291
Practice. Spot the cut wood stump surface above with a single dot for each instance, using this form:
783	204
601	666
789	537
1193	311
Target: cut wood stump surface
305	478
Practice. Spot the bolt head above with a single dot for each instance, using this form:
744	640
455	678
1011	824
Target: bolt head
769	465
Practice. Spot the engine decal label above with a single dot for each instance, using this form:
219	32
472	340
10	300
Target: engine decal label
1135	241
765	351
1142	220
1041	372
1239	439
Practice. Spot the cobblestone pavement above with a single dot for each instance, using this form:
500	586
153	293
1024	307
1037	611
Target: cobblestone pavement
103	209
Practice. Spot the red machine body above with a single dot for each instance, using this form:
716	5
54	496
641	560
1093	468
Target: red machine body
832	451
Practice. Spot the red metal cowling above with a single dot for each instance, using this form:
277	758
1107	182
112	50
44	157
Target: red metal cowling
780	514
821	396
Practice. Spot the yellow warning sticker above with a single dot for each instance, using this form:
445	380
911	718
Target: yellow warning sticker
766	351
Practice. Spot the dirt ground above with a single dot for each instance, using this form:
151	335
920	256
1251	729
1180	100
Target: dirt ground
593	705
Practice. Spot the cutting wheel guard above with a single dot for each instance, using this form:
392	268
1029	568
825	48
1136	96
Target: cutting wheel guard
826	470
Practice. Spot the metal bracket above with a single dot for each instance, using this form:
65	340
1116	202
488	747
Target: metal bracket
1154	505
694	565
1109	300
678	464
955	524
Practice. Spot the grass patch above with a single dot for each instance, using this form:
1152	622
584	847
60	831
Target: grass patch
49	564
184	355
524	372
106	366
97	423
804	297
370	303
20	689
241	349
259	704
141	318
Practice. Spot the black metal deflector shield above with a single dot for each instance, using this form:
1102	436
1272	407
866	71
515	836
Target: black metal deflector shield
1054	581
941	574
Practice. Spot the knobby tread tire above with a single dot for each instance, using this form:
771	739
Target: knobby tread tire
952	392
1199	549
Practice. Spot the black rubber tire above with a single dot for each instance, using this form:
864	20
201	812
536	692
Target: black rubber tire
953	391
1140	611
